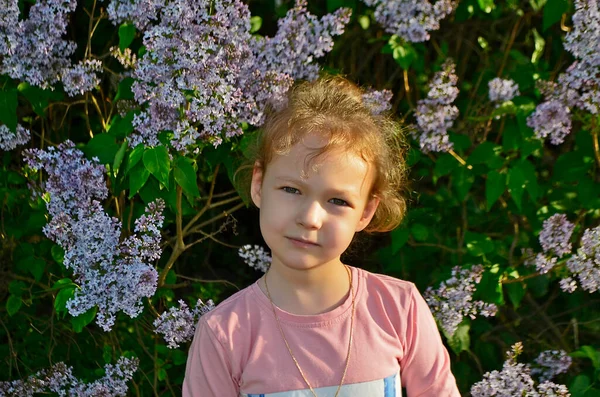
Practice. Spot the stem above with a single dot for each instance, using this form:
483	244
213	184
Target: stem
179	244
511	41
596	145
206	206
459	159
88	48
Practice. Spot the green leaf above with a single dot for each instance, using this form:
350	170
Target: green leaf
119	157
516	293
60	302
486	5
579	385
255	23
79	322
134	157
179	357
8	108
103	146
58	253
107	353
463	179
399	238
516	185
157	162
484	153
121	127
495	186
137	179
126	35
36	267
588	352
460	341
162	374
63	283
444	165
185	176
404	54
13	304
553	11
478	244
37	97
588	193
539	44
420	232
124	89
16	287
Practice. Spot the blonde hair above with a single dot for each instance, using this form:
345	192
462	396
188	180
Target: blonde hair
333	106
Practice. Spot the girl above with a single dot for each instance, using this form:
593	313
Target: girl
326	168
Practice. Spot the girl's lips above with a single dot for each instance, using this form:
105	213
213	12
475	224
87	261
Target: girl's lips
302	243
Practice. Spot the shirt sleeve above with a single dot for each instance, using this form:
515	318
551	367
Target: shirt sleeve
425	367
208	370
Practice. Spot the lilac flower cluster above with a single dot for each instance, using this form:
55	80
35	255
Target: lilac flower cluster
436	114
411	19
515	380
453	300
178	325
255	257
579	86
59	379
10	140
378	101
551	363
585	265
33	50
204	73
112	275
502	90
554	239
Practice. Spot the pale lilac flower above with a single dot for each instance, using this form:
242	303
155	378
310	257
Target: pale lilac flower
436	114
411	19
583	40
203	73
126	57
82	77
502	90
551	363
585	265
33	50
10	140
378	101
515	380
59	379
453	300
255	257
568	285
544	263
112	275
551	119
555	235
178	325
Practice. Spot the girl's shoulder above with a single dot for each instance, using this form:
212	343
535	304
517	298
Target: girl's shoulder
382	284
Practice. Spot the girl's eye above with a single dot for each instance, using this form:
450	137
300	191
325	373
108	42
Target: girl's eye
291	190
339	202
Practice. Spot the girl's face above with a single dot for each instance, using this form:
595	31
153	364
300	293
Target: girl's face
309	211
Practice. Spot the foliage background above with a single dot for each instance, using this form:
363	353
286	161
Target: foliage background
460	215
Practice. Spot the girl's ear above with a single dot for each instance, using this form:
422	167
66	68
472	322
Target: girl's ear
368	213
256	187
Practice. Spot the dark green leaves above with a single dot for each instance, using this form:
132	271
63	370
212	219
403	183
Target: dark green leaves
8	107
103	146
553	11
126	35
185	176
157	162
495	186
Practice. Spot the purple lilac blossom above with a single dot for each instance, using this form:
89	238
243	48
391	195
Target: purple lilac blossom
555	235
436	114
551	363
33	50
378	101
112	275
551	119
579	86
82	77
502	90
453	300
10	140
585	265
255	257
59	379
411	19
203	72
178	325
515	380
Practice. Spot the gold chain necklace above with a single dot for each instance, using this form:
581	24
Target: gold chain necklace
290	350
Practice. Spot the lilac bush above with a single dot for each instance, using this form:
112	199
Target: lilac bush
112	275
10	140
502	90
378	101
436	113
453	299
60	379
551	363
255	257
585	265
178	325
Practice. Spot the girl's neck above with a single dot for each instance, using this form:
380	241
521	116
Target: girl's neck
306	292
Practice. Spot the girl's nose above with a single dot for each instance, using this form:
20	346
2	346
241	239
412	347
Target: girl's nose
311	215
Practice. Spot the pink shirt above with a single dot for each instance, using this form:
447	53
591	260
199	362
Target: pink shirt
238	349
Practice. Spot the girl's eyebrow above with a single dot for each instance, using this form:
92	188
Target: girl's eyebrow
349	193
